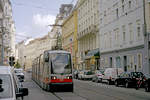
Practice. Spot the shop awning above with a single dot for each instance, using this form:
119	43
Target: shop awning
93	53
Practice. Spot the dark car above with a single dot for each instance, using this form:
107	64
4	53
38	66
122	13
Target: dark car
147	83
128	79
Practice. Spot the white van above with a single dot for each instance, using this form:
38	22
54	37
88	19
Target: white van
9	89
110	74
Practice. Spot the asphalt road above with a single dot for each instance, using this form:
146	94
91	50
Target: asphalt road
85	90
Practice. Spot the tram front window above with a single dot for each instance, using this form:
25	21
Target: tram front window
61	63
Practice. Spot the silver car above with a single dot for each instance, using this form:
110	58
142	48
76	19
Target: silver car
9	88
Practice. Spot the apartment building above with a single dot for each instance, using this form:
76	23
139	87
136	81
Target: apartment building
122	37
88	34
7	31
69	35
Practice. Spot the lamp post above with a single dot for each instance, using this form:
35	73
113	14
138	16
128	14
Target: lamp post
24	62
2	46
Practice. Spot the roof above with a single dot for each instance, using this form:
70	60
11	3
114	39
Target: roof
5	70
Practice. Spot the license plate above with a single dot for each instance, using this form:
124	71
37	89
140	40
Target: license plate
62	78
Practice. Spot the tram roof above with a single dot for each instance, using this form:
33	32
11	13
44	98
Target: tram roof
57	51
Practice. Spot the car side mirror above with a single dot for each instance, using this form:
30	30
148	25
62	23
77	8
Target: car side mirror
22	92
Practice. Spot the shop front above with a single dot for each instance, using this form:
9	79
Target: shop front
92	59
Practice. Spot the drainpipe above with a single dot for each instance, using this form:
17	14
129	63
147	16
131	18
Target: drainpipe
146	43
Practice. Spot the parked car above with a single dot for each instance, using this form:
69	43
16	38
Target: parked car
110	74
19	73
87	75
29	70
97	77
9	89
147	83
80	75
128	79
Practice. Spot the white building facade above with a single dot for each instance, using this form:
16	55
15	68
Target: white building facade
122	34
88	29
7	30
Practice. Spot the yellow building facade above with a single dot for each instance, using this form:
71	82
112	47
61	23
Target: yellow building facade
69	35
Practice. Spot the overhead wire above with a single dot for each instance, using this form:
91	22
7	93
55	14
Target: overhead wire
33	6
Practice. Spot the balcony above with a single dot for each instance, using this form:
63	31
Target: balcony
92	29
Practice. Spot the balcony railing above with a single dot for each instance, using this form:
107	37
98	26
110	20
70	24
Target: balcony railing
92	29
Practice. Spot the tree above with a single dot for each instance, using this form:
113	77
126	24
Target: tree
17	65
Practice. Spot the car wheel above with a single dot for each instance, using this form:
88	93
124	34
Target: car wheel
92	80
100	80
109	82
147	88
127	85
96	81
116	83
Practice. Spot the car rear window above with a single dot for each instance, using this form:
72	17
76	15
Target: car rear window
6	86
137	74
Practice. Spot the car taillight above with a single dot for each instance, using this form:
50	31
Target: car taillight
53	77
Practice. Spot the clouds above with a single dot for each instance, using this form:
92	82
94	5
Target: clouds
42	21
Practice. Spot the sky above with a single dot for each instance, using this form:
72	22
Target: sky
32	17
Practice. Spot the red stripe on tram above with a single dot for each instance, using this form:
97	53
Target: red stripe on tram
61	80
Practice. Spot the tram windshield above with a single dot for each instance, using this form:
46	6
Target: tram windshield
61	63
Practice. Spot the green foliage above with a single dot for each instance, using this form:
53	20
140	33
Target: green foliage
17	65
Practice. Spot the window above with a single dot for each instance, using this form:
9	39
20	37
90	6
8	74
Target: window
124	33
123	8
131	32
122	1
110	39
140	60
117	13
132	61
117	36
138	29
129	4
106	61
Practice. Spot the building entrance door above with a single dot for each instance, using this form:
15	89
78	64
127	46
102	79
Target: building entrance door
125	63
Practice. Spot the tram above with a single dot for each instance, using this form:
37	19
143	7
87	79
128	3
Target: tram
53	69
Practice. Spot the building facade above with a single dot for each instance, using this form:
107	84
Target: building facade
69	35
7	31
34	49
20	53
88	33
122	35
56	32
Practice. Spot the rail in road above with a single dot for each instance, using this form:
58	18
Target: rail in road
86	90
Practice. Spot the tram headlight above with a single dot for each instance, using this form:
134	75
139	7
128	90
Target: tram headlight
53	77
69	77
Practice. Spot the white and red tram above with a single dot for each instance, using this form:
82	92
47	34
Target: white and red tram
53	69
